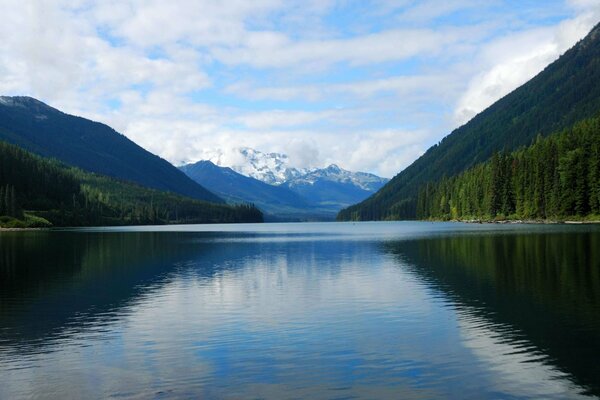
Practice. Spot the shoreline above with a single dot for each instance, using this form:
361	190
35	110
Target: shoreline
464	221
527	221
22	229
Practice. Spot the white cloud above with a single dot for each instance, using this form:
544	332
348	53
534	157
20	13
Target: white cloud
147	24
511	61
409	85
279	118
273	50
184	79
427	10
586	5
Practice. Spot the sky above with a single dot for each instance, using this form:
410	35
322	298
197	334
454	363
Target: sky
368	85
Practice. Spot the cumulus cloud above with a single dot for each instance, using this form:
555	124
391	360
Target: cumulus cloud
280	118
367	86
514	59
408	85
386	152
427	10
274	50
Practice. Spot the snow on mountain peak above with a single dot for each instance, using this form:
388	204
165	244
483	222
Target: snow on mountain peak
275	169
271	168
11	101
334	173
333	168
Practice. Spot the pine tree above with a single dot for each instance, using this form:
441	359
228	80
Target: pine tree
13	203
558	176
7	200
2	203
495	187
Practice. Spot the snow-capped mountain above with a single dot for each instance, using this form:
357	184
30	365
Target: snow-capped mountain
274	169
271	168
330	188
333	173
278	203
335	187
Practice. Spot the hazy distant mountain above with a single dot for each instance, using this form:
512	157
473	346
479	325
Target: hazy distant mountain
333	173
274	169
334	187
330	188
566	91
37	127
277	202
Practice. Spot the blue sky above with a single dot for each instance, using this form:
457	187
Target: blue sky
369	85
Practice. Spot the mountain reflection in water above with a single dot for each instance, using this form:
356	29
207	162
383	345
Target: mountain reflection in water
383	310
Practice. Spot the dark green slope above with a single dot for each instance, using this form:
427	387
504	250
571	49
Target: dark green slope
95	147
557	177
37	191
567	91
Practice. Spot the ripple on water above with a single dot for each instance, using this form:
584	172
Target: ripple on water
378	313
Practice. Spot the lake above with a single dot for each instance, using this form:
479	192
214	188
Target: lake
388	310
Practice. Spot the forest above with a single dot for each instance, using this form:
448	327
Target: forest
555	178
565	92
40	192
91	146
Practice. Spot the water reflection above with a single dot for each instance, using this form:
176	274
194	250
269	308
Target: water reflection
51	281
302	314
540	291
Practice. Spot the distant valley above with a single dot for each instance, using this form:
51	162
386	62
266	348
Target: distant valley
35	126
59	169
531	155
281	191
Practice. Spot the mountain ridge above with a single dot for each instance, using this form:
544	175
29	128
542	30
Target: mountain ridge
90	145
277	202
36	191
274	169
566	91
327	189
311	194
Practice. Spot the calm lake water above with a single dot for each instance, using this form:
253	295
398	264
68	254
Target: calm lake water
287	311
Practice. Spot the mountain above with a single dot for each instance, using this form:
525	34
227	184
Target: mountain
557	177
271	168
334	187
92	146
325	189
37	191
276	202
566	91
274	169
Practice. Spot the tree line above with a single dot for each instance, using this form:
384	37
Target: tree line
565	92
556	177
33	188
8	202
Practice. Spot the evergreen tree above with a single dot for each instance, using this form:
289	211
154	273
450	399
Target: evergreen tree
68	196
7	201
13	208
555	177
2	204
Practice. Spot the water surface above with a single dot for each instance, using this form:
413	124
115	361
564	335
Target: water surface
332	311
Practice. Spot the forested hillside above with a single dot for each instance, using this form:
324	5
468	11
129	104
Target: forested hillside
92	146
566	91
557	177
36	191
